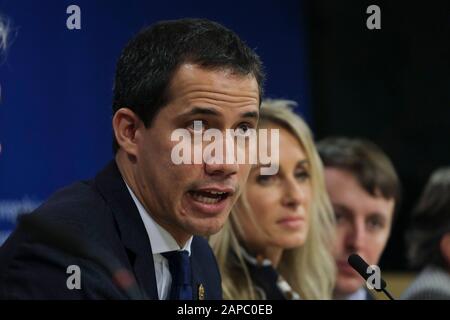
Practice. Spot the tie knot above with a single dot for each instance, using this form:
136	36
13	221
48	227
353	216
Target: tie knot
179	266
176	254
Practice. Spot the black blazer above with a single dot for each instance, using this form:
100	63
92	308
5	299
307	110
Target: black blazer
102	212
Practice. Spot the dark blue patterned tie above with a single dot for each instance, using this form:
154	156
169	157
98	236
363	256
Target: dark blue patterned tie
180	269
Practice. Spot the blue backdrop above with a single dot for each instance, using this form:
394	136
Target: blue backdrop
56	83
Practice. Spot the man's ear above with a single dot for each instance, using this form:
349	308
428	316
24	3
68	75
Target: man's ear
125	124
445	248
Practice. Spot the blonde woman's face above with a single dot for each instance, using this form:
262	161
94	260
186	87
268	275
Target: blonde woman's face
280	203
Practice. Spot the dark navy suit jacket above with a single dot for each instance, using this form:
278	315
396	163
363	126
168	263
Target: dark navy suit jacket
101	212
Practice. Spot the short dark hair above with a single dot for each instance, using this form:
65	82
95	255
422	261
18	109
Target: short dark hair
148	62
365	161
430	221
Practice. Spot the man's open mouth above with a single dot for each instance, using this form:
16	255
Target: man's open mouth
209	196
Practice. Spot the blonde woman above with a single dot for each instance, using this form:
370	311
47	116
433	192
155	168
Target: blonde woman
275	245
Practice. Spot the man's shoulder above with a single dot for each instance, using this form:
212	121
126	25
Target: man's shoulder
432	283
79	205
78	209
81	213
73	201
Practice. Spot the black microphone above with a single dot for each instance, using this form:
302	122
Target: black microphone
361	267
60	237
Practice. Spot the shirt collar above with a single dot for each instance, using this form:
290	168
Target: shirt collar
160	239
262	262
360	294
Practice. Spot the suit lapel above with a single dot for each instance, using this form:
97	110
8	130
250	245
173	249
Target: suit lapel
196	276
131	228
201	283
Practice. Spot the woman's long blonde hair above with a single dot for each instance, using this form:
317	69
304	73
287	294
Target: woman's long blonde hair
309	269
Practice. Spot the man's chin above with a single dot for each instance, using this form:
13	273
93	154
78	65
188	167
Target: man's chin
348	286
206	228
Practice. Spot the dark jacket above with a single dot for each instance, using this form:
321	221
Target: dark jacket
433	283
103	214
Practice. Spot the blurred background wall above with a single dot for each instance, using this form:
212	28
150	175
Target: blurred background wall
391	86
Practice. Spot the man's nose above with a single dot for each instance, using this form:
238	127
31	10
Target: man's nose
221	169
356	239
221	163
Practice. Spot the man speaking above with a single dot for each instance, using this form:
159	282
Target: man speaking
142	209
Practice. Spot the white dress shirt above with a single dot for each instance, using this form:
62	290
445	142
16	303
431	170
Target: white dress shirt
161	241
360	294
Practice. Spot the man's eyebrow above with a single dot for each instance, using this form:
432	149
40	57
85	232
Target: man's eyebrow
342	207
210	111
200	111
376	214
250	114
